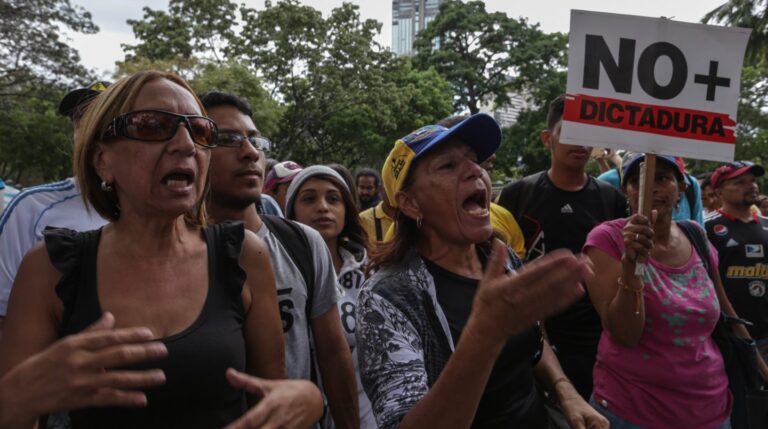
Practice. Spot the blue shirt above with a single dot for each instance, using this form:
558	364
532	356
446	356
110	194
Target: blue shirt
267	205
683	211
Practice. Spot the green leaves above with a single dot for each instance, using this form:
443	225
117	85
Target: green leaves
752	131
322	89
485	56
36	65
189	27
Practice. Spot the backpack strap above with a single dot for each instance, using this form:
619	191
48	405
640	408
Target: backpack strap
609	196
689	196
699	241
701	245
518	206
295	241
377	224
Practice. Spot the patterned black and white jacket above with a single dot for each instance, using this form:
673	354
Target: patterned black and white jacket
403	336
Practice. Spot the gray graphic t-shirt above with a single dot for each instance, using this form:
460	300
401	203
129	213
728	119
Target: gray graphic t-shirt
292	296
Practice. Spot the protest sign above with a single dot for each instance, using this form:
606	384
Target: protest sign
653	85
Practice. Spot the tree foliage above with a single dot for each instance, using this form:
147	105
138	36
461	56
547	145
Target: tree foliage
36	142
189	27
485	56
752	130
748	14
36	66
331	93
32	52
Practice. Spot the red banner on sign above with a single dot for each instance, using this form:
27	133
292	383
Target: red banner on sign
649	118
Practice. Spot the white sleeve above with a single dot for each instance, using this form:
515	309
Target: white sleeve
17	236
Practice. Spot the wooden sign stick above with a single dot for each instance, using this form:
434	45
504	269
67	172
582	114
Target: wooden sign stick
647	179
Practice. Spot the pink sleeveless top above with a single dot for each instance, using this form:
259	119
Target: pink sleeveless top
674	377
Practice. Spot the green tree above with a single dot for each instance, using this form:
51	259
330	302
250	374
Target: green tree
345	96
752	129
37	65
190	26
748	14
484	56
32	51
237	79
330	92
36	142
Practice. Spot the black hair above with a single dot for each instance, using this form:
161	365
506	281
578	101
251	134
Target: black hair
555	113
347	176
353	228
213	99
706	179
370	172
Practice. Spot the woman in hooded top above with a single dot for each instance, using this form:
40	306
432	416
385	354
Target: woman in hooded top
320	197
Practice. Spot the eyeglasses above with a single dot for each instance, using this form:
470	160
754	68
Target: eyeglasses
233	139
161	126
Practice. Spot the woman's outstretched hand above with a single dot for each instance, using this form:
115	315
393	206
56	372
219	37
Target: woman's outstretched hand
508	303
286	404
75	373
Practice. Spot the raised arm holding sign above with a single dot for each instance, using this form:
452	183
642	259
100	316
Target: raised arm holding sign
660	89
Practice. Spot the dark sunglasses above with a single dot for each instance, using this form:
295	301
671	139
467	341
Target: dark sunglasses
233	139
161	126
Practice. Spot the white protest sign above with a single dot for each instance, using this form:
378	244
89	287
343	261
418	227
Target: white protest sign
653	85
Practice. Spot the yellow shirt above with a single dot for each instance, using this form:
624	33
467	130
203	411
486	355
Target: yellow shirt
369	219
505	225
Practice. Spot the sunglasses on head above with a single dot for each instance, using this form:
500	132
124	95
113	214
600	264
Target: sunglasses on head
423	133
740	164
234	139
161	126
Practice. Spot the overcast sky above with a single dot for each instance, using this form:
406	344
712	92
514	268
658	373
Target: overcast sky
100	51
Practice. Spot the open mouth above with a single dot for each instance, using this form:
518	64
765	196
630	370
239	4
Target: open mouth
476	204
179	179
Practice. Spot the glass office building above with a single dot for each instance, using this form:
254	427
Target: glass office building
408	17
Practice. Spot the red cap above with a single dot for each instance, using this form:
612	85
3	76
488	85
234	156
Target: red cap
734	169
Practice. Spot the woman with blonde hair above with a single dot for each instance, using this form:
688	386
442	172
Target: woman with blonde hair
206	292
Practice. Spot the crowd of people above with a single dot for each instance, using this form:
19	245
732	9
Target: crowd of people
181	278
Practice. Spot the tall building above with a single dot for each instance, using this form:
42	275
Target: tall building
408	17
507	114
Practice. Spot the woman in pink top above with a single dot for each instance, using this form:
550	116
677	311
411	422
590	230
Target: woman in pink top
657	365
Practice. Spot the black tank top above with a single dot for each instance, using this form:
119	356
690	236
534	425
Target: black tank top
196	393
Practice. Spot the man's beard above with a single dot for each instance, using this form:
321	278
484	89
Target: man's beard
234	202
749	200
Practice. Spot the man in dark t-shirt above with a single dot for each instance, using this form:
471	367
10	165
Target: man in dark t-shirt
741	239
556	209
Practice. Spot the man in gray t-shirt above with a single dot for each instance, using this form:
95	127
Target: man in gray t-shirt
236	176
292	295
